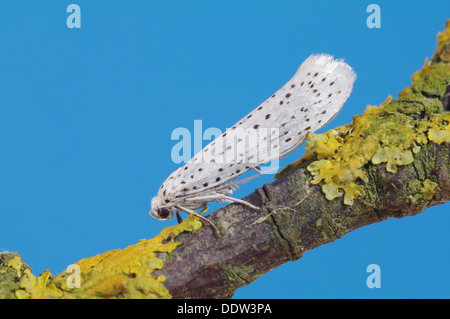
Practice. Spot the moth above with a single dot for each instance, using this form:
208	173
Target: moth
275	128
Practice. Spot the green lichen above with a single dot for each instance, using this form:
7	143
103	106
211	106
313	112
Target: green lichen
430	82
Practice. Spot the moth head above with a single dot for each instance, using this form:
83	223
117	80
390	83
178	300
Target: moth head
159	211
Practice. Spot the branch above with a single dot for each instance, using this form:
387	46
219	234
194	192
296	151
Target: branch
393	161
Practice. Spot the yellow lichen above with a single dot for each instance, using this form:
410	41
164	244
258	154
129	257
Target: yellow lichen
16	264
437	134
118	273
428	189
392	156
380	135
32	287
341	154
111	286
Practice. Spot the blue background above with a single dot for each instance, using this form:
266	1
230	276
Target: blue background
86	117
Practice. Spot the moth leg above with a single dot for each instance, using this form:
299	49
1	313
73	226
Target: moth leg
258	170
205	198
222	197
179	219
192	212
240	201
234	184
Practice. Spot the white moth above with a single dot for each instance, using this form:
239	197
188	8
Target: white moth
277	127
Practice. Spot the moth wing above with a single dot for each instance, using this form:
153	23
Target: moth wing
313	97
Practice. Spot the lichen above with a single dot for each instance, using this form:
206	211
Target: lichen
392	156
442	52
16	264
117	273
378	136
440	130
428	189
391	133
11	269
